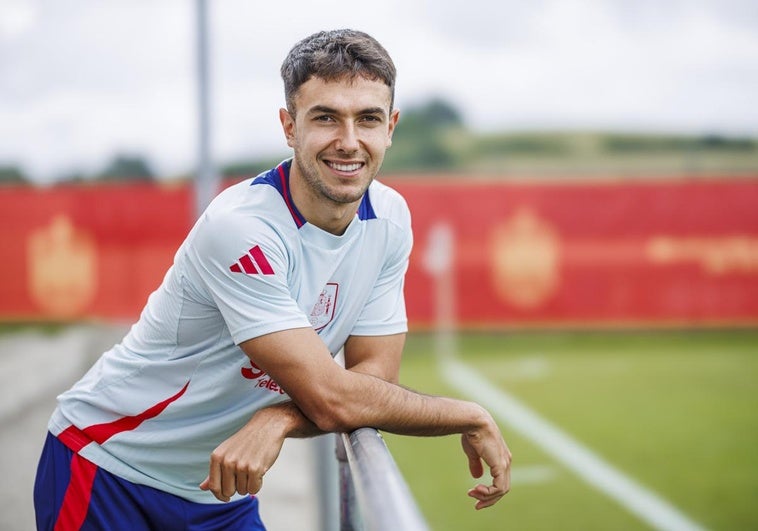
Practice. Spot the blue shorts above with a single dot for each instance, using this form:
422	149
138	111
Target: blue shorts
72	493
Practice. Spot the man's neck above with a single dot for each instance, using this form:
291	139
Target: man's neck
317	210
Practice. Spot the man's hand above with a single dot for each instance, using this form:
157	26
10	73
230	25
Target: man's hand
239	463
488	445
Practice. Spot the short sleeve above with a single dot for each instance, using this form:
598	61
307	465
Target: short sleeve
243	264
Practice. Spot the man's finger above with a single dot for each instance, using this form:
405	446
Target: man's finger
485	496
254	483
242	482
213	481
501	478
475	467
474	460
228	482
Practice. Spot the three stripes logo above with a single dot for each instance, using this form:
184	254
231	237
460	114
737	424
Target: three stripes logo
252	263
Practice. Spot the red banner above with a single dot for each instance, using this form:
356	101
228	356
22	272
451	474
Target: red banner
87	251
678	252
599	253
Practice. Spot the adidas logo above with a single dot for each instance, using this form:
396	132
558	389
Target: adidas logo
252	263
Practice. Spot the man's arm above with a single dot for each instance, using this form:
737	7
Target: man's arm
378	356
338	400
265	432
335	399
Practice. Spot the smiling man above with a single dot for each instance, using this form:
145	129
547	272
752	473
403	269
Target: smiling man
176	426
339	130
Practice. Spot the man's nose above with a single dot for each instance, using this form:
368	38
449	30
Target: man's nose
348	138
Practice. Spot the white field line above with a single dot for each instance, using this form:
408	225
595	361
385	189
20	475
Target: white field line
639	500
535	474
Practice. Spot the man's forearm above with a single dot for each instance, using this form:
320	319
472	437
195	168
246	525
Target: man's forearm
393	408
290	420
357	400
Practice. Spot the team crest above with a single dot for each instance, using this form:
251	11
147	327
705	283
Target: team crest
323	311
63	268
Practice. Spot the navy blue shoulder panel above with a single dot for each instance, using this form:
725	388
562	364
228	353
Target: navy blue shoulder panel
268	177
365	210
279	178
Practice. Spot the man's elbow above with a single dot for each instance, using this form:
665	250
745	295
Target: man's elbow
333	416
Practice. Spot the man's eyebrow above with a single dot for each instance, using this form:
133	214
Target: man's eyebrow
316	109
374	110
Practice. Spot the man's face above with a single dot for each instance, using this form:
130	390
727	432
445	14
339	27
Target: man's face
340	132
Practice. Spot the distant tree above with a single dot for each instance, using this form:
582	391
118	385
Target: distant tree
727	144
12	175
428	118
126	167
436	114
420	142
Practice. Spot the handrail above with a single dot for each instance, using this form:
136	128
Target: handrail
373	494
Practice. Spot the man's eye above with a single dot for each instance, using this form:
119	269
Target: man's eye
324	118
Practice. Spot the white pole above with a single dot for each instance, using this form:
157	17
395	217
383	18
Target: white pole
206	179
439	262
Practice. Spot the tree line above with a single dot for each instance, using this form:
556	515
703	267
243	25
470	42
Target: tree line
432	137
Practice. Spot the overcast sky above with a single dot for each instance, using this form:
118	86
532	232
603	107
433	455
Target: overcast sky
83	79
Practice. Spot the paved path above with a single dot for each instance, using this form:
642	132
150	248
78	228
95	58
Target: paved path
35	367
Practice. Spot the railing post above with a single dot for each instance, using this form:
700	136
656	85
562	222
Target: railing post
371	482
327	481
350	518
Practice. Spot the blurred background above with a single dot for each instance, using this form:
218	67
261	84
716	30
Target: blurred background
583	178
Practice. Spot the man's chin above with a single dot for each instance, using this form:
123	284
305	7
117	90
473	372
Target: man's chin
345	197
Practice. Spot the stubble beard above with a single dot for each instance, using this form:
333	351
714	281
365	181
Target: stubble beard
312	177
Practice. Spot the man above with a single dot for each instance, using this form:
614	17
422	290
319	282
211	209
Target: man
175	427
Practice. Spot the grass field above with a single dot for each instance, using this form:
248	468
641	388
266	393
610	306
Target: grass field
677	412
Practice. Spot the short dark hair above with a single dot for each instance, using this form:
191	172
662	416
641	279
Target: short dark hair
333	55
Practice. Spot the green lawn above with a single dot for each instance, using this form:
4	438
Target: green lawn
675	411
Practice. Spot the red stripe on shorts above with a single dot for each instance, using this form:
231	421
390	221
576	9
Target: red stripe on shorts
75	504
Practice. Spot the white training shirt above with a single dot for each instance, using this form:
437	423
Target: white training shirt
154	407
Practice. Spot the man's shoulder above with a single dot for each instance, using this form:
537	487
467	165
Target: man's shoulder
241	216
388	203
379	188
246	202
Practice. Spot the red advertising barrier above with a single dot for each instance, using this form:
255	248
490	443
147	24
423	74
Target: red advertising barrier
87	251
602	253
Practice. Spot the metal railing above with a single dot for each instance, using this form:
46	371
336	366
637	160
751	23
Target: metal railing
373	494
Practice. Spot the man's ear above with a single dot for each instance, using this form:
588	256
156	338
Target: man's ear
288	126
394	117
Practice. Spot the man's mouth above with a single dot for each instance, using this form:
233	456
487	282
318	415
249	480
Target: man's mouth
345	167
